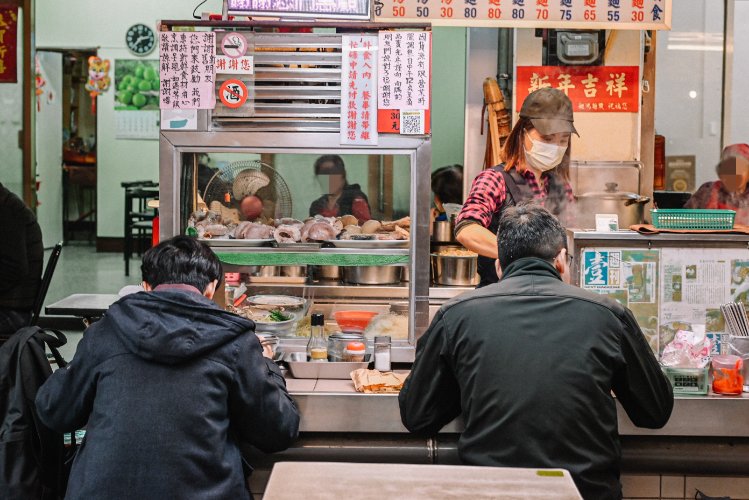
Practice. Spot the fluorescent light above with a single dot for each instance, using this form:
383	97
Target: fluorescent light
703	48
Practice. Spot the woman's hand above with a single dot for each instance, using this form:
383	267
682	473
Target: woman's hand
477	238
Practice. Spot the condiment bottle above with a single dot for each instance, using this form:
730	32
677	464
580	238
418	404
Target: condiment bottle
317	347
354	352
382	353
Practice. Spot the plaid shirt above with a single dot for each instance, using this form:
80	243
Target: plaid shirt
488	194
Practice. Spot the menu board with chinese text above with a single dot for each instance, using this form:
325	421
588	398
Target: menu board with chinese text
577	14
187	70
339	9
592	89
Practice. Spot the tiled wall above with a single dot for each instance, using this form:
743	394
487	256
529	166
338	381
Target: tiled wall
638	487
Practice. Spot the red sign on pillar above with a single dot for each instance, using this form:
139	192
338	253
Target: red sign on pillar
592	89
8	43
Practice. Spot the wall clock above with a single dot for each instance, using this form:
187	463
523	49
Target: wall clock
140	39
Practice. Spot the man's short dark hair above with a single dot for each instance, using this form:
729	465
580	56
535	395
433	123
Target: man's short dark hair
447	184
329	164
181	260
529	230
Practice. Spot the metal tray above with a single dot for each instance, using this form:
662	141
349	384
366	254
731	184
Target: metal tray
340	370
302	247
231	242
370	243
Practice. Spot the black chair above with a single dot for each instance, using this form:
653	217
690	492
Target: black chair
138	218
46	280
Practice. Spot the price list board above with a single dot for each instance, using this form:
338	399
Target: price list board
574	14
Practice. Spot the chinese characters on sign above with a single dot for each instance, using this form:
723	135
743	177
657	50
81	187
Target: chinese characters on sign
404	79
592	89
323	8
596	14
358	84
234	65
8	43
187	69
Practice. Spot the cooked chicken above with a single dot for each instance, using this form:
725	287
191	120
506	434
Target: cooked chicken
253	231
319	231
287	234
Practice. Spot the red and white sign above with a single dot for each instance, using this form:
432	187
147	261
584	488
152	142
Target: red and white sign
8	43
234	45
359	89
592	89
233	93
234	66
404	79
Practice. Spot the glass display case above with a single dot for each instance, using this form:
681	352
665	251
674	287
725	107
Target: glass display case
299	215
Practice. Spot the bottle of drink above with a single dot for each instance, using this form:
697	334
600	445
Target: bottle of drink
317	347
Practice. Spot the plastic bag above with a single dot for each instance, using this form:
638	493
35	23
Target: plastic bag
687	350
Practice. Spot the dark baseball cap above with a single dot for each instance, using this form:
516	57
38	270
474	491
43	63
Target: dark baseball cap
549	110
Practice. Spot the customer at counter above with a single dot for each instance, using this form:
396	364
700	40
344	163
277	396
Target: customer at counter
531	363
730	191
168	384
342	198
21	262
536	167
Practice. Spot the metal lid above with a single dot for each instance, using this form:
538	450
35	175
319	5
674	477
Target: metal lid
382	339
346	336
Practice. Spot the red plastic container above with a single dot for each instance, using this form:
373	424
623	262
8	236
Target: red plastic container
353	321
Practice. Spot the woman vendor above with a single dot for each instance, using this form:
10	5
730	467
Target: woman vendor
536	159
730	191
342	198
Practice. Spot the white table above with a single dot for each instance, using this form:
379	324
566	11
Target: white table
355	481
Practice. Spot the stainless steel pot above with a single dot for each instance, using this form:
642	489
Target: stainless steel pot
328	273
294	271
453	270
443	231
372	275
266	271
630	207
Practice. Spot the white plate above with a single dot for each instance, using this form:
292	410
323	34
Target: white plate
227	242
275	300
370	243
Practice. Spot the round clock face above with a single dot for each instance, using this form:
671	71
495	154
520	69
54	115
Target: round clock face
140	39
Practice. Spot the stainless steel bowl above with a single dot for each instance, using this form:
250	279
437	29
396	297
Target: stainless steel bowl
372	275
406	274
453	270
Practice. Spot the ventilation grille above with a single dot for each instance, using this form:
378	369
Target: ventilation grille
296	85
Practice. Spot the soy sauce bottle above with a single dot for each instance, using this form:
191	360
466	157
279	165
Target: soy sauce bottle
317	347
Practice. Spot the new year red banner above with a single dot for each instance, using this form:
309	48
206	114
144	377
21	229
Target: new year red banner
592	89
8	43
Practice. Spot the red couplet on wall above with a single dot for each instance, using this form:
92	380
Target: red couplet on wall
8	43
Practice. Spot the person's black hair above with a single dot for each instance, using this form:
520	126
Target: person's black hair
529	230
181	260
447	184
337	161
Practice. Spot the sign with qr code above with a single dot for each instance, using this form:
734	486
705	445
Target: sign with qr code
412	122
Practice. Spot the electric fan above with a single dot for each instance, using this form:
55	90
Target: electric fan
248	190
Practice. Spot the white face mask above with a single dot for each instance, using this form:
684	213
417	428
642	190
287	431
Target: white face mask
544	156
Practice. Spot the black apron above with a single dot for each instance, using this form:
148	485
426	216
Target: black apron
517	191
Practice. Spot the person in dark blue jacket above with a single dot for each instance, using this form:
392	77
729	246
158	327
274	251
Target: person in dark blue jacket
168	385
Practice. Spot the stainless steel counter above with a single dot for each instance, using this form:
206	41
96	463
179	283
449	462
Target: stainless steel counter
334	406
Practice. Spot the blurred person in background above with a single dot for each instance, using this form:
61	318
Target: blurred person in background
536	164
447	186
730	191
21	263
342	198
532	364
168	386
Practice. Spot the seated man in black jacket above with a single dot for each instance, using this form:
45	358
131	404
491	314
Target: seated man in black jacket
531	363
168	385
21	262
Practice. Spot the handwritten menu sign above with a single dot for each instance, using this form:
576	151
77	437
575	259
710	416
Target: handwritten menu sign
340	9
358	88
591	14
187	70
592	89
403	78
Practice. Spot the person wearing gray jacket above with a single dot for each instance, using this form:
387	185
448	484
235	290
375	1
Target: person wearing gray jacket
531	363
168	386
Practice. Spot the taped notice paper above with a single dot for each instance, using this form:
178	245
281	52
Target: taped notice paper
179	119
412	122
607	222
